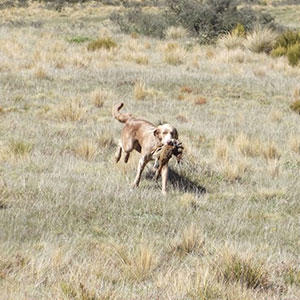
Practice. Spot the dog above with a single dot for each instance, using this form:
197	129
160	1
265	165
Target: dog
144	137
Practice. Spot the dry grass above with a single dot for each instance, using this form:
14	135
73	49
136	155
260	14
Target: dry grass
247	146
176	33
221	149
231	41
86	149
70	111
261	40
173	54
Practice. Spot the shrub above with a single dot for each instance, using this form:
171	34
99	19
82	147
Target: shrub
279	51
135	20
209	18
205	19
287	39
293	54
102	43
261	40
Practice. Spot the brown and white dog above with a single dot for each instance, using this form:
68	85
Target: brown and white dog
144	137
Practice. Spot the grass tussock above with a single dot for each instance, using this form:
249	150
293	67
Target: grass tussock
137	265
70	111
261	40
176	33
19	148
40	73
295	106
106	43
86	149
173	54
100	96
231	41
221	149
189	241
234	170
248	146
245	270
294	143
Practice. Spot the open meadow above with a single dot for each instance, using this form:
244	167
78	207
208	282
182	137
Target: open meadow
71	227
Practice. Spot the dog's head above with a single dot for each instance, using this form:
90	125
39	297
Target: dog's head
166	133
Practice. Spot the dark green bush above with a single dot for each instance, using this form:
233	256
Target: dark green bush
293	54
287	39
279	51
208	19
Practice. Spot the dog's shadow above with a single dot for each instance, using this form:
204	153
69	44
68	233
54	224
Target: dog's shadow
179	182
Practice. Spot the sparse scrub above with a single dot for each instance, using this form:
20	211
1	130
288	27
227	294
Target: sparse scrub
106	43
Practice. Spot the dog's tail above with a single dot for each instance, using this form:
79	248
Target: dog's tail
119	116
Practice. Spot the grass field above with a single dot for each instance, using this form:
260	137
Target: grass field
70	225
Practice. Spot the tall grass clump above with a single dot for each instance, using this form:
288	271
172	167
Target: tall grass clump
245	270
261	40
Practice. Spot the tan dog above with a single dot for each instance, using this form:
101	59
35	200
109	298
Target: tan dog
144	137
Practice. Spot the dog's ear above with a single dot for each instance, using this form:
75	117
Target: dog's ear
175	133
157	133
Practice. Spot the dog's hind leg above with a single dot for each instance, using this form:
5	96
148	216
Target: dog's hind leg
118	153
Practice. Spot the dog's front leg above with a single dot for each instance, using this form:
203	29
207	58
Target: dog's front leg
142	163
164	178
